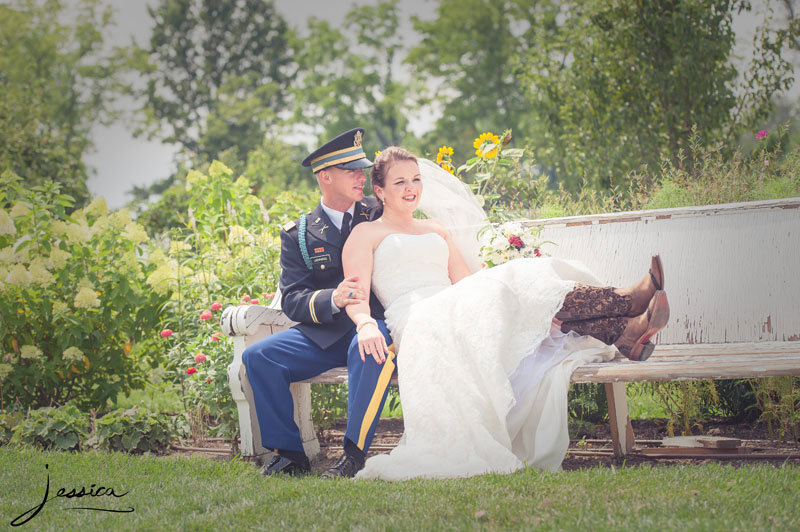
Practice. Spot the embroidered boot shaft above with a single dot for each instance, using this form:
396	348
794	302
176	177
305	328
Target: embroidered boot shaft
586	302
607	330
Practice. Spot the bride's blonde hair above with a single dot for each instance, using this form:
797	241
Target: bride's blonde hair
384	162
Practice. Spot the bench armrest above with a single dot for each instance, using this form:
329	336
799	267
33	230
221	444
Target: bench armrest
246	320
247	324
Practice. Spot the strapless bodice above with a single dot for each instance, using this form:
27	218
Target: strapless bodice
408	268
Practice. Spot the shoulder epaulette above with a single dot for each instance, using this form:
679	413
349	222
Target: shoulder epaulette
288	225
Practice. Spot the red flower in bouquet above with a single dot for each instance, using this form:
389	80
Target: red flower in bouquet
516	242
191	371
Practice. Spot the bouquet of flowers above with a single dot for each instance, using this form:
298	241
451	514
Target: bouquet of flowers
510	240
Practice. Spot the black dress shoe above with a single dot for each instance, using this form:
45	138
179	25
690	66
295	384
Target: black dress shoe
346	467
282	465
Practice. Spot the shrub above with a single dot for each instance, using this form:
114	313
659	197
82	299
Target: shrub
8	421
688	403
737	399
62	429
778	399
227	254
73	302
135	431
587	402
708	175
329	403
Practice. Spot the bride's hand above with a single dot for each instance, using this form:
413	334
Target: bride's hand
372	342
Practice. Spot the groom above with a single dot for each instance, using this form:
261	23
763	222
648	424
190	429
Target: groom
315	294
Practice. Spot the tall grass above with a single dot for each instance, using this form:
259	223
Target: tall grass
703	175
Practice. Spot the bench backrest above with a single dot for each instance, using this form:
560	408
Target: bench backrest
732	271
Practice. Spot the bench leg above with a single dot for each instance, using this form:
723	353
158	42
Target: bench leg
248	420
621	428
251	432
243	396
301	395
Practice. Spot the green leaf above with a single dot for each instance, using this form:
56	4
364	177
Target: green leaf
66	441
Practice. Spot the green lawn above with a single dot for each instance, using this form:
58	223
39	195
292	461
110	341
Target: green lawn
200	494
643	403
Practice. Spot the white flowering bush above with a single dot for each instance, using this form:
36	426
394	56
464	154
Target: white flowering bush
74	305
227	253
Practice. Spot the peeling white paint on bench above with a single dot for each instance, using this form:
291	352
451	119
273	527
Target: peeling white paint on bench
731	274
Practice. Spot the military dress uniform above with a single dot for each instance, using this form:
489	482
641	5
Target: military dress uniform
311	269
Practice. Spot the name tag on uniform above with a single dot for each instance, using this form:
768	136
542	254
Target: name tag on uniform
316	259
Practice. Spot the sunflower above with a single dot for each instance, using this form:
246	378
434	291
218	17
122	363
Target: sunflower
449	167
444	152
481	144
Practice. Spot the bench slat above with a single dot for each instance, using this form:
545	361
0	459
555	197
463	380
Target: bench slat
732	349
674	362
690	368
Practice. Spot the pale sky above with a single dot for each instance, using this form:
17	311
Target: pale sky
122	161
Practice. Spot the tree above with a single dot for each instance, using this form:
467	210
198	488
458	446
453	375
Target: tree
622	84
56	83
216	72
472	49
351	78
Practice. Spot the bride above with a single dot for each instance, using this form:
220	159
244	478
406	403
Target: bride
483	360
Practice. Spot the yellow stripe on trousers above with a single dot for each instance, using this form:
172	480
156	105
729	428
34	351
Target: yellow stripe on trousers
377	395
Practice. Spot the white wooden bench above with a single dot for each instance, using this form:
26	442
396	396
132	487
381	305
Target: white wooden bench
731	272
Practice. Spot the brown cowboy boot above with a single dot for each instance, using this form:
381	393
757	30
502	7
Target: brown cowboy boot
631	336
586	302
607	330
635	341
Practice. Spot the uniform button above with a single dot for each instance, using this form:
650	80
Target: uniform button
322	267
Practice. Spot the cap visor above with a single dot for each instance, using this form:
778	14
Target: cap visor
355	165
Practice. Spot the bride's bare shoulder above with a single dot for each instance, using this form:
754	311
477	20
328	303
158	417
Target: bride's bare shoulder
434	226
367	233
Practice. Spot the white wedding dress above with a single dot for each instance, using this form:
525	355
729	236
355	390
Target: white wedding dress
483	375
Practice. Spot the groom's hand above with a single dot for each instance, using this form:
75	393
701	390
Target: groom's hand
348	293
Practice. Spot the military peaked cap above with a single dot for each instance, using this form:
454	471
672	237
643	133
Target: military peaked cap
344	152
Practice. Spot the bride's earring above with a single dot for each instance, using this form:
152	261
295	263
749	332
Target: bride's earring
383	200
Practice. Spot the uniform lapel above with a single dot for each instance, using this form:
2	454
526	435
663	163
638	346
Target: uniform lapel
366	210
322	227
